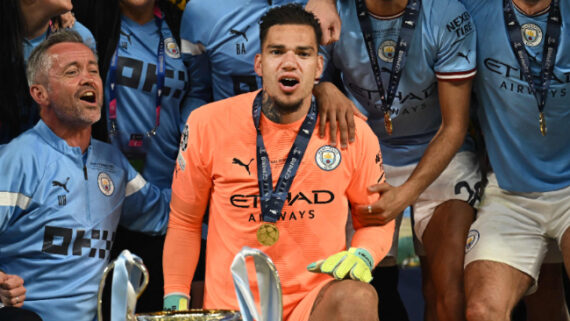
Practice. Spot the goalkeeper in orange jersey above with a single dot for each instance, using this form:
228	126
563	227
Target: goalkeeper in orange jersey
272	183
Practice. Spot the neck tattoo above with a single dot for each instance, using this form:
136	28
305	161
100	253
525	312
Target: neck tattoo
269	109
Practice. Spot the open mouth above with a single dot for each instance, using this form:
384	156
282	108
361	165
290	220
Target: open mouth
288	82
88	96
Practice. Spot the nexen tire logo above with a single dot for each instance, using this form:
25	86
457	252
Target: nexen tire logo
315	197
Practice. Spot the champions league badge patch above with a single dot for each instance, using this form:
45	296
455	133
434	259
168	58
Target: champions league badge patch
106	185
171	48
181	161
327	158
472	239
531	34
387	50
184	139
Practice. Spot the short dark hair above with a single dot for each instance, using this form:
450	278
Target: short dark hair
289	14
38	62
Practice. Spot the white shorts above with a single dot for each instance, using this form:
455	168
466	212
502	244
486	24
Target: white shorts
461	180
517	229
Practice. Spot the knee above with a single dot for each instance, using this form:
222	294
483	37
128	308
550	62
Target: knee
356	300
482	311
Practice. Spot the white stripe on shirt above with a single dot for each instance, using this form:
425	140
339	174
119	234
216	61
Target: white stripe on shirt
14	199
134	185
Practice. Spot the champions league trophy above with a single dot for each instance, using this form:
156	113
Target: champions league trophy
268	285
131	278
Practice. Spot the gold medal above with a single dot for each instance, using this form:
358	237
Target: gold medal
267	234
388	122
542	123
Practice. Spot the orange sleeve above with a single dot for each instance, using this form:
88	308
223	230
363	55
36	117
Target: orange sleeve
368	170
191	186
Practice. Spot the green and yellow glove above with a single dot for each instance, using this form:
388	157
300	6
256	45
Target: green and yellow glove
175	302
355	263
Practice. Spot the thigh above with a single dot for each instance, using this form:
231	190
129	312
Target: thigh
460	181
495	286
547	303
506	232
303	310
444	243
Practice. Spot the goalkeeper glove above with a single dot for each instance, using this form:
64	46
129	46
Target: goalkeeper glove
356	262
175	302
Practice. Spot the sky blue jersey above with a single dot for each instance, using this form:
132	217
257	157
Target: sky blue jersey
136	88
442	49
523	159
59	211
219	41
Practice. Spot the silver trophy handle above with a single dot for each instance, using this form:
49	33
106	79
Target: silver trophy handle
138	264
268	283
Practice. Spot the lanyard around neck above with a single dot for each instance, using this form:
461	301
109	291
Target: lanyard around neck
549	50
409	22
272	201
160	75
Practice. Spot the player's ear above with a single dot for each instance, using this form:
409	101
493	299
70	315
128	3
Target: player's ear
257	65
39	93
320	67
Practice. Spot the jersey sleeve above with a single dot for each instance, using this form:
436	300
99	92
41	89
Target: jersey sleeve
454	37
19	180
194	39
329	67
145	208
191	187
368	170
87	36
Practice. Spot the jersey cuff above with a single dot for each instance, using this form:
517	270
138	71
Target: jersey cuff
453	76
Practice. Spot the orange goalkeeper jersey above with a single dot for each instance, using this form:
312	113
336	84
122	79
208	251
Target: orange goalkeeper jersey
217	164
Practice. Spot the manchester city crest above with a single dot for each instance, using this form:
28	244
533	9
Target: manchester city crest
472	239
387	50
105	183
531	34
171	48
327	158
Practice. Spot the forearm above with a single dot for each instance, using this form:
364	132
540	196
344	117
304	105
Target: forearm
375	239
180	257
437	156
454	101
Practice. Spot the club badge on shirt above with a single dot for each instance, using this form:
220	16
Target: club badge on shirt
171	47
532	34
328	158
386	50
106	185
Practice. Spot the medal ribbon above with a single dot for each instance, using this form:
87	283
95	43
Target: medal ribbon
409	21
160	74
272	201
550	47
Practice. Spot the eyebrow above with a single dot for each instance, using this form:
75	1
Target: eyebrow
309	48
75	63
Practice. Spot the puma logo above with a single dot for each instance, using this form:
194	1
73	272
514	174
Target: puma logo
460	54
240	33
126	35
62	185
240	163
